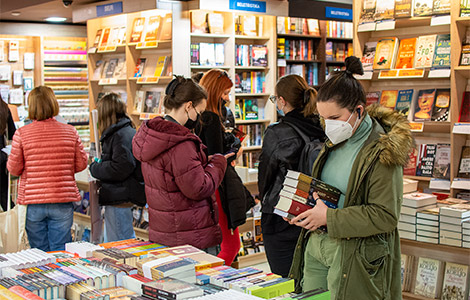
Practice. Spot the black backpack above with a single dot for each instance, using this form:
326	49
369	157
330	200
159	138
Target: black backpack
309	153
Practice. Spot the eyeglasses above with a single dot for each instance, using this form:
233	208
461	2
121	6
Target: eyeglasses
274	98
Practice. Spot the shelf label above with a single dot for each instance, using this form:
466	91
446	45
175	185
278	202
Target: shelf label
461	183
281	63
366	27
439	73
111	48
248	5
439	184
338	13
147	45
387	74
148	80
148	116
411	73
440	20
109	9
417	126
108	81
92	50
367	75
385	25
461	128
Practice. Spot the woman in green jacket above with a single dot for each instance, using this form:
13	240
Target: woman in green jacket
359	256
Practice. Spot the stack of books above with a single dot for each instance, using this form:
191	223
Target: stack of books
164	265
427	225
139	248
24	259
451	219
134	282
81	248
199	258
466	234
169	288
83	291
117	255
412	203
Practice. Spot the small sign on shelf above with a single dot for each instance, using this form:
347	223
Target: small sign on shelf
364	27
439	184
108	81
461	128
388	74
367	75
439	73
385	25
440	20
461	183
417	126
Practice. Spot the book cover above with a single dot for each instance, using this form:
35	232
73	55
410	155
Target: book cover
97	39
410	168
168	67
368	56
137	30
313	27
152	102
425	164
139	99
368	11
248	24
384	10
105	39
165	33
441	7
120	70
139	68
403	8
219	54
404	100
422	8
464	164
174	288
160	65
250	109
259	55
442	162
454	286
440	111
153	28
442	52
464	8
385	53
424	105
215	22
428	277
425	47
111	67
198	21
122	35
113	37
464	115
372	97
389	98
406	53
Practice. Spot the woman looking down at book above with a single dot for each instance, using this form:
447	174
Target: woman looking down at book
282	146
359	255
119	172
233	199
180	179
47	154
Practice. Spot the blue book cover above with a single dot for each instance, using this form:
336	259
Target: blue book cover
404	101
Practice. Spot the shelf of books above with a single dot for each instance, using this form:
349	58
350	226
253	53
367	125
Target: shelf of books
406	53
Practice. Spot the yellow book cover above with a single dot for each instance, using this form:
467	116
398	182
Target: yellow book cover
166	28
153	28
160	66
385	53
215	22
198	21
389	98
137	30
406	54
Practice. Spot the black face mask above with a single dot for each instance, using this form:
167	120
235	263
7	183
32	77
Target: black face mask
191	124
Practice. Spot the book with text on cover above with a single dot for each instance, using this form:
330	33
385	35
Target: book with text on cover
406	53
368	56
384	10
372	97
442	162
405	97
428	277
425	47
455	284
153	28
441	7
389	98
137	30
403	8
442	52
425	163
440	112
165	33
385	53
215	22
464	165
152	102
422	8
368	11
424	105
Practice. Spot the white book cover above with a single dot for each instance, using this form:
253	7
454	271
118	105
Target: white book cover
427	277
428	234
429	214
418	199
455	281
422	227
28	60
452	220
456	210
425	51
219	54
427	239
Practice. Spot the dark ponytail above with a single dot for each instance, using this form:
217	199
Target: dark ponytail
181	90
295	90
343	88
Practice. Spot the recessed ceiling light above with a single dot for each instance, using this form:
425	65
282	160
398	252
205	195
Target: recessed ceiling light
55	19
15	13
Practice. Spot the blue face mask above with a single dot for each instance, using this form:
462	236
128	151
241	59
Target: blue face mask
280	112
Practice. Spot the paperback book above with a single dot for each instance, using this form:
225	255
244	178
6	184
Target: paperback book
425	163
385	53
406	52
442	162
403	8
425	47
388	98
424	105
440	112
368	56
428	277
464	164
442	52
404	100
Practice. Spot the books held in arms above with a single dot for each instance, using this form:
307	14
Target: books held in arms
297	194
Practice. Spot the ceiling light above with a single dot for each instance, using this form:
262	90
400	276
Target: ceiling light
15	13
55	19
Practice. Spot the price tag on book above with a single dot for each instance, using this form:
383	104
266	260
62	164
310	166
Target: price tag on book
440	20
461	183
439	184
411	73
385	25
417	126
388	74
439	73
366	27
461	128
139	45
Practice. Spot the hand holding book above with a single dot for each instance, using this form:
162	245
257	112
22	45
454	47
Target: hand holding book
313	218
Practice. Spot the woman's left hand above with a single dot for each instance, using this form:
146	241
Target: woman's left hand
312	218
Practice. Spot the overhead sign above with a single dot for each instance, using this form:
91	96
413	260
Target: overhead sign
338	13
109	9
248	5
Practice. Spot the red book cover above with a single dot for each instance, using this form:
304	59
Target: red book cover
24	293
297	208
410	168
465	108
140	278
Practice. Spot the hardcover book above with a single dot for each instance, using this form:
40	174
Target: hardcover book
454	286
406	53
424	105
368	11
389	98
442	52
403	8
410	168
464	115
404	100
384	10
153	28
440	111
464	165
152	102
425	47
137	30
385	53
368	56
372	97
442	162
425	164
428	277
441	7
422	8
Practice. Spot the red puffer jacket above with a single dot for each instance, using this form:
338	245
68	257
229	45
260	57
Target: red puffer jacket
47	154
179	184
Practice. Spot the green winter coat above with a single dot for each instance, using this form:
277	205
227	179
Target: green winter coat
367	225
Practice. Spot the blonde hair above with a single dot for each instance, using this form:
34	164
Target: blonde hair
42	104
110	110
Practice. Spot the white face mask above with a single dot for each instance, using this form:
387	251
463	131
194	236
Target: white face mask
339	131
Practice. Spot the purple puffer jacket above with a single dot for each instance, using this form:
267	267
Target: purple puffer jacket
180	184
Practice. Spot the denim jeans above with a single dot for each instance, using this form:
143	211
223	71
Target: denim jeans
48	225
118	223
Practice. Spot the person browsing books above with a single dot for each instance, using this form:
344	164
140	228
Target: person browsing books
364	155
7	130
120	175
180	179
233	198
46	154
282	145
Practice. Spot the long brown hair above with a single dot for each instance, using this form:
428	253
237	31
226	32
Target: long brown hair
42	104
3	116
296	91
215	81
110	110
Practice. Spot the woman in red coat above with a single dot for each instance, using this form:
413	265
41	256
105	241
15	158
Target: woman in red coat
180	179
47	154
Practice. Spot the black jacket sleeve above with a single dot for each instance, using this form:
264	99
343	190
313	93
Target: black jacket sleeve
267	162
11	126
211	133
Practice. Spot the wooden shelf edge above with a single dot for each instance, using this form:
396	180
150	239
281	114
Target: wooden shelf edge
411	296
418	178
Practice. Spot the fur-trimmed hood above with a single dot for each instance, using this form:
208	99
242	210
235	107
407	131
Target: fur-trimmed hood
397	142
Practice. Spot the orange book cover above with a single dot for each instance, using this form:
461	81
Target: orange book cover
137	30
389	98
105	38
406	54
153	28
165	33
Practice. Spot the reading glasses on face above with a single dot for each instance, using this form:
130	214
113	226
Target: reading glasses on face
273	98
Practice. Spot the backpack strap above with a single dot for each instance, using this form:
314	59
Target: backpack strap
299	132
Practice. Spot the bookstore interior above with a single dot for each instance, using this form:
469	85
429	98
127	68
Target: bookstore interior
134	48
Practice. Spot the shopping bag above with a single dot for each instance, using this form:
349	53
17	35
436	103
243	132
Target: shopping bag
13	236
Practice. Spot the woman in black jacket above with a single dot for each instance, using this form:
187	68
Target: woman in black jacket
119	172
282	146
7	130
